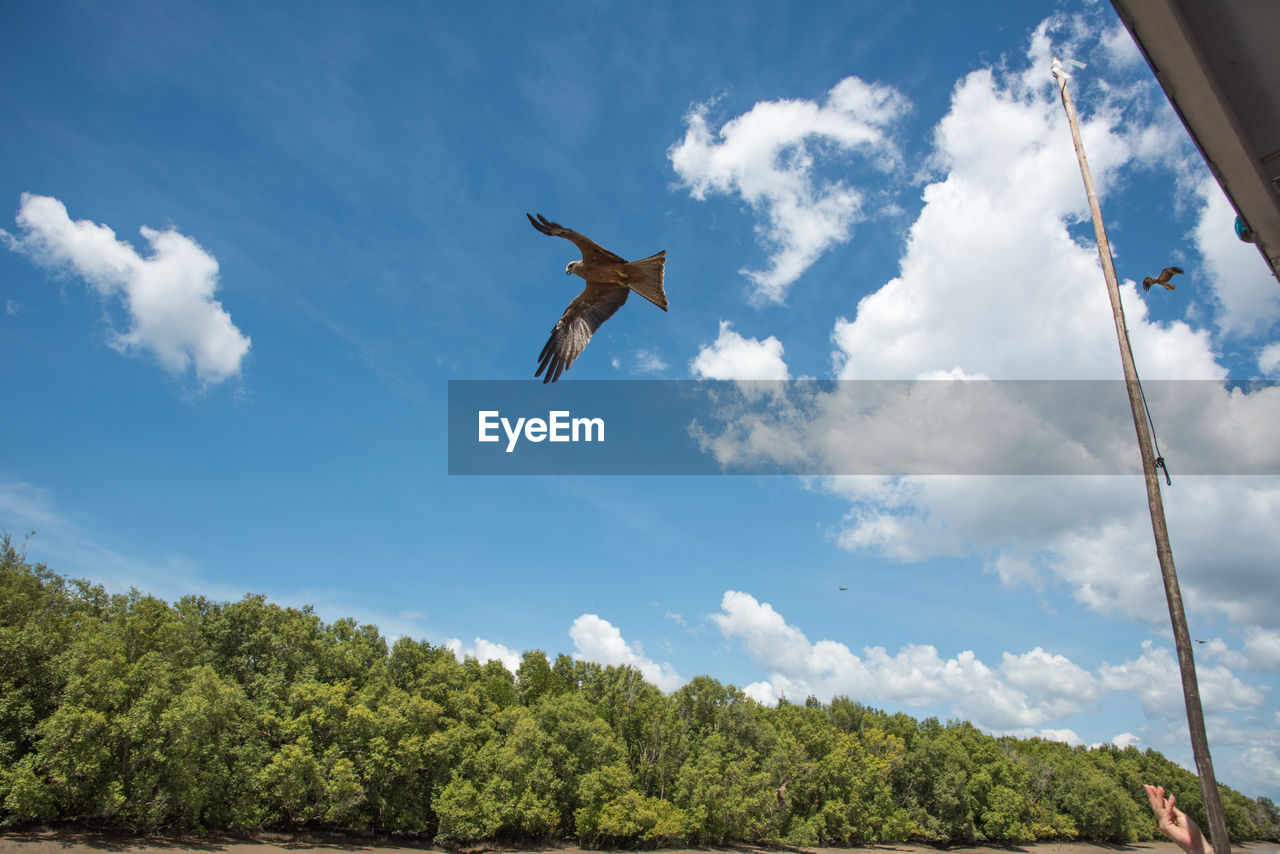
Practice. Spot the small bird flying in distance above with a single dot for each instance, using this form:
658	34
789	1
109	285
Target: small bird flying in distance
844	588
610	280
1163	279
781	792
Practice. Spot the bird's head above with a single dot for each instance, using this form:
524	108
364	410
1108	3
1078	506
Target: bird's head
572	267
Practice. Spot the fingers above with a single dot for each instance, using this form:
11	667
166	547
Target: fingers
1155	794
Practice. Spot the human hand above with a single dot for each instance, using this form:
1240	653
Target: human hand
1174	823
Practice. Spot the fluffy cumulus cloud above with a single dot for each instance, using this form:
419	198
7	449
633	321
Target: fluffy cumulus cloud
770	157
1066	736
1000	279
1153	677
1026	691
1269	359
483	650
1126	739
1024	694
1248	299
1091	533
598	640
733	357
1261	649
995	282
169	295
990	427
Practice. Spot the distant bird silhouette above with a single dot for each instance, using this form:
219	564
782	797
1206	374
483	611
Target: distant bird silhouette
844	588
1200	641
1163	279
610	280
781	792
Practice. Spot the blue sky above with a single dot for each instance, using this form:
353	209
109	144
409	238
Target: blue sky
248	246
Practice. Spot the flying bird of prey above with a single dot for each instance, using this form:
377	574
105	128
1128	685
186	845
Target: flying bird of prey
1163	279
610	279
781	792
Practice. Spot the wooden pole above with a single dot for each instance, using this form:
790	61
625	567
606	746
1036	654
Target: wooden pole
1164	552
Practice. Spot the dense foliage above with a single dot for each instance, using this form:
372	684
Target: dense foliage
125	711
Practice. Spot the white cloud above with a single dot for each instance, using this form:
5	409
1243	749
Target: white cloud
1067	736
733	357
648	362
1248	299
916	675
1269	359
770	157
990	427
1126	739
1062	685
1154	678
1029	694
483	650
1260	651
1091	533
994	283
169	295
1119	47
1262	764
997	280
598	640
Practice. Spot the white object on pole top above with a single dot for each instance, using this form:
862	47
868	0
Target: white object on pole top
1060	72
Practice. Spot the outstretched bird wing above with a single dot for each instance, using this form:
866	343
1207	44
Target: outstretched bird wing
781	791
1163	279
574	329
592	252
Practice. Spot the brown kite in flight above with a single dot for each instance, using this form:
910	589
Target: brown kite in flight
610	278
1163	279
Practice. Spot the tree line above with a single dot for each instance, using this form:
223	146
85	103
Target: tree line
126	712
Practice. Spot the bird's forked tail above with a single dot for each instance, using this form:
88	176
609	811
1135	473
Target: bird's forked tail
645	278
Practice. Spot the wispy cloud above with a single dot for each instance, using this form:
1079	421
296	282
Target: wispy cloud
169	295
648	362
